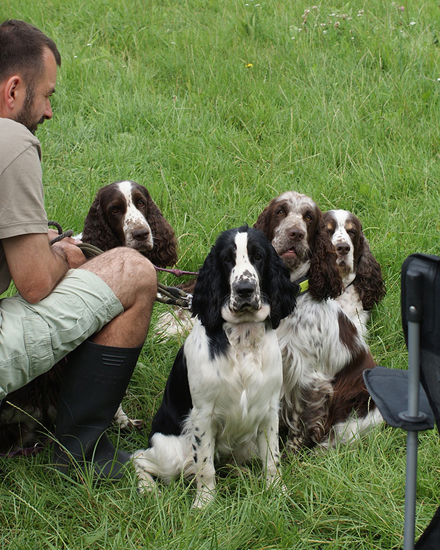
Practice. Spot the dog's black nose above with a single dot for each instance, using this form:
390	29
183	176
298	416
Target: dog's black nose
140	234
244	289
342	249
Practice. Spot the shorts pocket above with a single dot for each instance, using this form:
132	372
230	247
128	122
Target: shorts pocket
71	322
38	344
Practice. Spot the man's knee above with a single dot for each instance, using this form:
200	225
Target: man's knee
124	267
135	268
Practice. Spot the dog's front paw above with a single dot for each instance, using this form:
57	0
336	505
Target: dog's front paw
203	498
125	423
132	424
275	481
293	446
146	483
145	487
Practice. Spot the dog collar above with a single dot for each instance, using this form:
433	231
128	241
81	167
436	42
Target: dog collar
303	284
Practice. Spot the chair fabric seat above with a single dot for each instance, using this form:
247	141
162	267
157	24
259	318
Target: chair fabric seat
389	390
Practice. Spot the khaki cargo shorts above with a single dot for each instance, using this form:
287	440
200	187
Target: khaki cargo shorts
33	337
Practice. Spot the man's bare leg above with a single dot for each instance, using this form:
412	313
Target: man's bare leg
133	280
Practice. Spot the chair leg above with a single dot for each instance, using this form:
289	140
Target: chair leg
410	490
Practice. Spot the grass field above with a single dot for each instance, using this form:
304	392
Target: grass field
217	107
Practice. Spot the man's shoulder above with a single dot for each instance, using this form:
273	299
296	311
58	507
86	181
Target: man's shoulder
10	129
15	138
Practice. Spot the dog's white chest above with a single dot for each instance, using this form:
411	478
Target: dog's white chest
351	304
240	386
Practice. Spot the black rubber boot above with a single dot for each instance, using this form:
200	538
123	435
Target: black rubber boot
94	383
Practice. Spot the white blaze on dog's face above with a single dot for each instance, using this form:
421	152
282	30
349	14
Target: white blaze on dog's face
136	229
245	300
343	229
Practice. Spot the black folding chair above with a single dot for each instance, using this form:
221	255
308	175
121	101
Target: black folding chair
402	400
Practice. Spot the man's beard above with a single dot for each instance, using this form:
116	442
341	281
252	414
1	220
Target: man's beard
26	116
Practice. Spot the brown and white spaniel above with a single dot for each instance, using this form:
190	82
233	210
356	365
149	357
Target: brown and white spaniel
363	285
324	396
122	214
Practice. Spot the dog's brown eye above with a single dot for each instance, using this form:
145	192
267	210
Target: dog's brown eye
141	203
258	257
280	212
308	217
114	210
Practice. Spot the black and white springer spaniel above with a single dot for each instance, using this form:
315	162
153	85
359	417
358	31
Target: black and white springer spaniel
222	395
363	285
122	214
324	396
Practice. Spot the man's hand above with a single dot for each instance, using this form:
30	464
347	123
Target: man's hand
36	268
72	254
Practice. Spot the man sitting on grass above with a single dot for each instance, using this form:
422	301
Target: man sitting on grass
98	311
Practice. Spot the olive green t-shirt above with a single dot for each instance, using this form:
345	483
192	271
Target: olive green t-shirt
21	188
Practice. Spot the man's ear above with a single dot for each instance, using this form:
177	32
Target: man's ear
13	89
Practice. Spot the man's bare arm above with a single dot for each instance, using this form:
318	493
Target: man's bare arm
36	267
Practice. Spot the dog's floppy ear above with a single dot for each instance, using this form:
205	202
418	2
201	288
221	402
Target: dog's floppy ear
209	293
164	251
324	278
281	291
96	230
369	281
262	222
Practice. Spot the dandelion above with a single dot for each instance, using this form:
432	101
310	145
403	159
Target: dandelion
249	65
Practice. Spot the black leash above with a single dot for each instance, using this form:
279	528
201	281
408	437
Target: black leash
61	235
166	294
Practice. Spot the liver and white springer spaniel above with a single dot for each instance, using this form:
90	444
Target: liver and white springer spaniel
122	214
363	285
325	398
222	395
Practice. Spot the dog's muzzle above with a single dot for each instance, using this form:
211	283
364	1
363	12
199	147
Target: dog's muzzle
245	296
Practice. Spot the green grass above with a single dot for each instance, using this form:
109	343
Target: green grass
218	107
